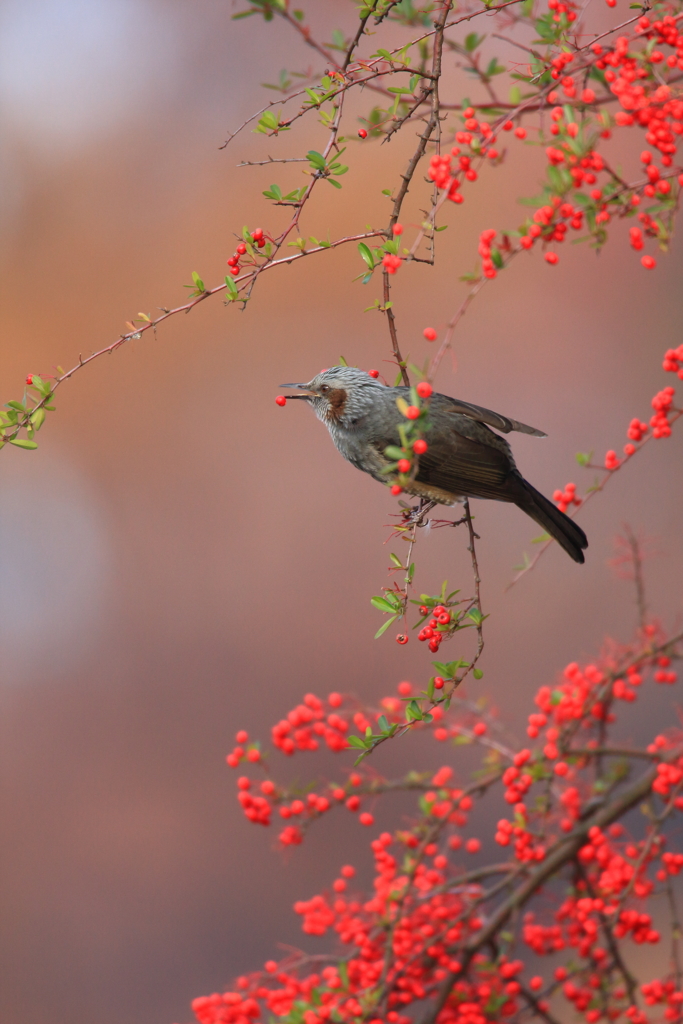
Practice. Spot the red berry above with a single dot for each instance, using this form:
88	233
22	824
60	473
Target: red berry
424	389
233	261
362	133
366	819
420	446
520	132
429	333
234	271
404	465
413	413
473	845
649	262
396	489
242	736
438	683
552	258
241	249
257	234
281	400
402	638
29	379
373	373
398	229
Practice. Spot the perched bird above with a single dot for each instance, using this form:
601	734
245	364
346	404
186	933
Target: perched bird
464	457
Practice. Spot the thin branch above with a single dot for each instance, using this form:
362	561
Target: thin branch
274	160
609	473
637	559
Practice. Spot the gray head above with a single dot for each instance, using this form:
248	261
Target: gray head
340	395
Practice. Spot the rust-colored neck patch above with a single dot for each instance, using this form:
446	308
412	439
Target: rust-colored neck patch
337	401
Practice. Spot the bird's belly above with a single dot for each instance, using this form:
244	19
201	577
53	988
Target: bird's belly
423	490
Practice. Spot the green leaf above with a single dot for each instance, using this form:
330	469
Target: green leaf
383	605
335	183
497	258
40	385
383	723
477	673
583	458
37	419
231	288
383	628
413	712
365	252
316	159
494	68
198	283
396	560
392	452
472	41
19	406
21	443
275	192
476	616
356	741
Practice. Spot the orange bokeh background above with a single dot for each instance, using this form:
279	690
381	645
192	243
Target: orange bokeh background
181	558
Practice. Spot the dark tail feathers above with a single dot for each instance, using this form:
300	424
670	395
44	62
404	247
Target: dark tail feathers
565	531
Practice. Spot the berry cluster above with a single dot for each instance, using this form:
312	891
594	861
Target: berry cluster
549	224
566	497
436	629
252	241
309	722
673	361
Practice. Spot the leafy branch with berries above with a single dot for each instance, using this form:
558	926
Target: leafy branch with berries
584	874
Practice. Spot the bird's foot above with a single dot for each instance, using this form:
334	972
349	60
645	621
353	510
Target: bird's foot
415	516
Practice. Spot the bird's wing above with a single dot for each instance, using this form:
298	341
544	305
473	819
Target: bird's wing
465	465
493	419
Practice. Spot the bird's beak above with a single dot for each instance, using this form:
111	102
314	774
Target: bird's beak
302	387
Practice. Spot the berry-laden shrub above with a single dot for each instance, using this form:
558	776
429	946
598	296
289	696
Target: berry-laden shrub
586	860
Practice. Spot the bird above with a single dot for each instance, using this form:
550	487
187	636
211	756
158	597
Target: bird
464	457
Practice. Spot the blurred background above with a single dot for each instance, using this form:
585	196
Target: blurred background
181	559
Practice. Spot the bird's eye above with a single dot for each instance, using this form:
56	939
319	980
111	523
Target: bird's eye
324	388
